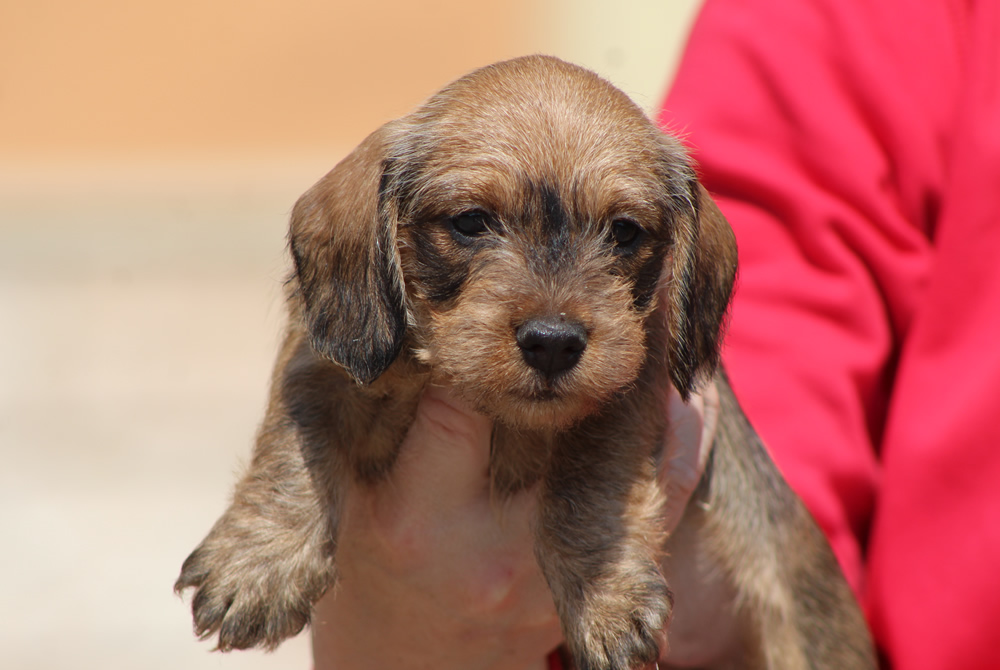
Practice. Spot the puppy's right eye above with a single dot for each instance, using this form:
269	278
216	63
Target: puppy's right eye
626	235
468	225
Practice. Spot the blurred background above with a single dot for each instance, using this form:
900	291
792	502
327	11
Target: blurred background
150	153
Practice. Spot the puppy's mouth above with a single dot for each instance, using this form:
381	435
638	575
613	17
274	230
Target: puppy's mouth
545	395
543	405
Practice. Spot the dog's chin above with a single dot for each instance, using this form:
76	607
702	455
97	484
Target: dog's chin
512	393
546	413
541	409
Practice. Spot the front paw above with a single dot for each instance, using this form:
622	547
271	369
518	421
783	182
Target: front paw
251	598
622	627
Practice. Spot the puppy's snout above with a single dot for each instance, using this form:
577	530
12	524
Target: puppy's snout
551	345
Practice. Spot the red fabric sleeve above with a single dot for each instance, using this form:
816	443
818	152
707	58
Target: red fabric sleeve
855	148
818	127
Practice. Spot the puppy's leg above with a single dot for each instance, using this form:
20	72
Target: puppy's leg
794	607
600	534
270	556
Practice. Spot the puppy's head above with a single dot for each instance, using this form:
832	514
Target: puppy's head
525	225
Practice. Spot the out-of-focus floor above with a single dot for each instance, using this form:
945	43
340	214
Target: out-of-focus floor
137	329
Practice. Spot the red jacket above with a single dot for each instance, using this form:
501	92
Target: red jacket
855	147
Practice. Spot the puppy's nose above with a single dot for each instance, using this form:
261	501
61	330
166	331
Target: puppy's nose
551	345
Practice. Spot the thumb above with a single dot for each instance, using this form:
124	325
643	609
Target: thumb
692	428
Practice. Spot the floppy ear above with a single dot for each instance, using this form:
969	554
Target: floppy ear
343	242
702	278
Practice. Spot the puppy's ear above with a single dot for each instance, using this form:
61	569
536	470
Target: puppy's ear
702	276
343	242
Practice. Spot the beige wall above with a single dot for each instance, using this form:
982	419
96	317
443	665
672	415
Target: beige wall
120	79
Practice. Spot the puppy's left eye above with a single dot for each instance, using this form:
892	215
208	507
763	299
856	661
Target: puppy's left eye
470	224
625	234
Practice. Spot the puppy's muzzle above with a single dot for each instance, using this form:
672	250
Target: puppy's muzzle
551	345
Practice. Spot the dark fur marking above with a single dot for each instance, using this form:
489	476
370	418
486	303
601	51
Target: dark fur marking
554	217
397	183
647	278
440	277
544	205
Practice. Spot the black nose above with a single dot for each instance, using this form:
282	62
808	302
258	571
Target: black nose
551	345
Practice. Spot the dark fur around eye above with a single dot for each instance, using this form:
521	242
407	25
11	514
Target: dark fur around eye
625	235
467	226
439	273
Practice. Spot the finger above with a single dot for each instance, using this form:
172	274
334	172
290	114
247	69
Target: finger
446	464
710	424
444	459
685	434
691	430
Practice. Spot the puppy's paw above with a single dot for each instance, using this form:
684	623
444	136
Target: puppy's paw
622	629
250	600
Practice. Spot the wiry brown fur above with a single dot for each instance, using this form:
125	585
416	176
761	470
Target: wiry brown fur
388	295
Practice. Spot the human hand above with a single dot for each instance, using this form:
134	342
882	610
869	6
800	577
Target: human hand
691	427
434	574
703	631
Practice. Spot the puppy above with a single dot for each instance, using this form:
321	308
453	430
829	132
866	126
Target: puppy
531	239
